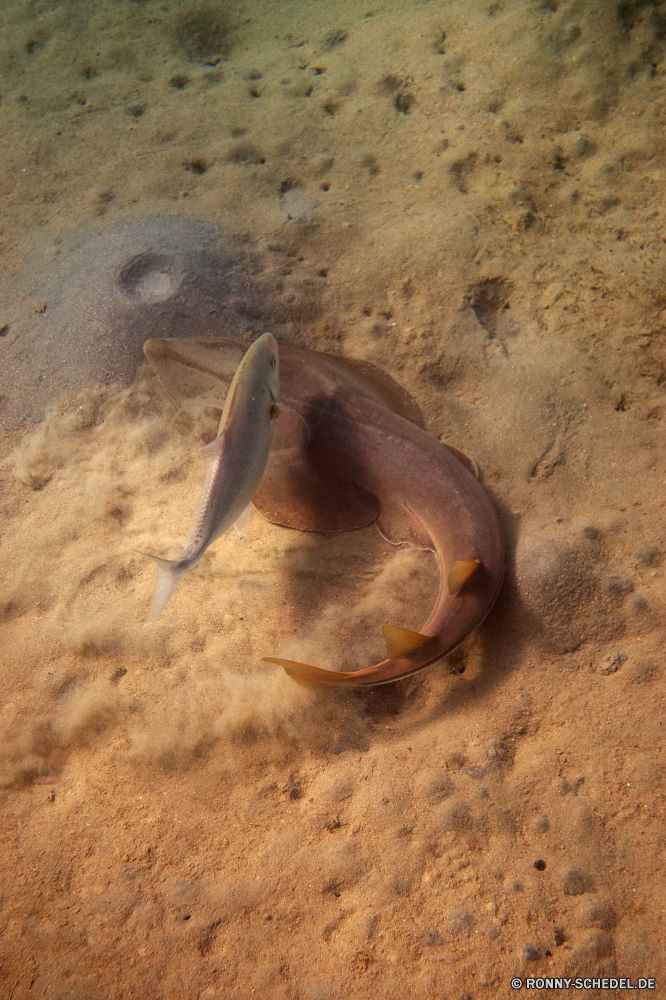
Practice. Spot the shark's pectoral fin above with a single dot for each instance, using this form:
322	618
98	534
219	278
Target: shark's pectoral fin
299	492
195	368
400	641
241	521
372	381
460	573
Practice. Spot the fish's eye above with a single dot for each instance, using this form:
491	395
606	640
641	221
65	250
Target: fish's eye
273	362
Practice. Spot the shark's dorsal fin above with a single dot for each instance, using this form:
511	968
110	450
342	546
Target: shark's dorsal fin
460	573
400	641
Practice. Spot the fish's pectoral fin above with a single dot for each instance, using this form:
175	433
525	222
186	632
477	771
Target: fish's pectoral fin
400	641
211	450
241	521
291	432
302	673
460	573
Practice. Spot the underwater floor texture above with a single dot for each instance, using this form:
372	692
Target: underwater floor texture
471	196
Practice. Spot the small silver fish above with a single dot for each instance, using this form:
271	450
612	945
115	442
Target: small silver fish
236	462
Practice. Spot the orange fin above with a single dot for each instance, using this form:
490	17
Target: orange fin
307	682
460	573
400	641
306	675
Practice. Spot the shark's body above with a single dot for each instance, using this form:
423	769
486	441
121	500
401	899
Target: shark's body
355	452
426	497
236	462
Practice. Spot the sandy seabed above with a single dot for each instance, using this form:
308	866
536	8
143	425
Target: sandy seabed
470	195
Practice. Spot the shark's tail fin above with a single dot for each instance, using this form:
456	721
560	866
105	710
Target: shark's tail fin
169	574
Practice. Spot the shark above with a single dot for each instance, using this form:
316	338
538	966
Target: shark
236	459
352	450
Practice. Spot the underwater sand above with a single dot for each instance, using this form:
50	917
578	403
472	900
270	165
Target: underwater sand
470	195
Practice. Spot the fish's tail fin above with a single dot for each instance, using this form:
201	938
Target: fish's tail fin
169	574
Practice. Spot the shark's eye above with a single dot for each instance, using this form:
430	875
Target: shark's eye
273	362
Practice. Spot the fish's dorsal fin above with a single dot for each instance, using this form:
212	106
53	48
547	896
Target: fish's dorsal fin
241	522
291	432
460	573
400	641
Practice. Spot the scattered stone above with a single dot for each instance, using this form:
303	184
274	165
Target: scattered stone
612	662
474	772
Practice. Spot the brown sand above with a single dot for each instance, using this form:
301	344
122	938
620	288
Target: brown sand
470	195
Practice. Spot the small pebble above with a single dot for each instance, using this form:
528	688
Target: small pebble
612	662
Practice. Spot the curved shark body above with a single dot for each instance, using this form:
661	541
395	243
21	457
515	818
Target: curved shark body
428	498
352	450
